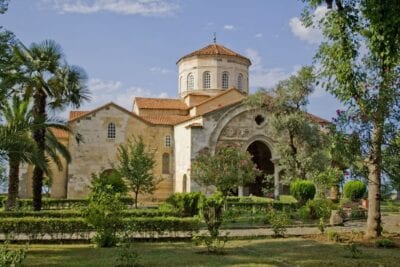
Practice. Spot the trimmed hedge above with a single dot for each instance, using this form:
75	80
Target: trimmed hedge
302	190
262	206
56	204
37	227
147	213
354	190
189	204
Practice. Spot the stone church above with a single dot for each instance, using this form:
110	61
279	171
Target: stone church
212	83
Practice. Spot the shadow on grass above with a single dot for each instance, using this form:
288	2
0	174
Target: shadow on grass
266	252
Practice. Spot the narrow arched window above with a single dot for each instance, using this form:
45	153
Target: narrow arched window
225	80
180	84
165	163
168	141
190	81
111	131
184	184
240	81
206	80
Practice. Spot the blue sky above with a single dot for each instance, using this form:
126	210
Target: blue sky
130	47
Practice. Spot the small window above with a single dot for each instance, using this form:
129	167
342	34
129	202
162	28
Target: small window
225	80
165	163
180	84
206	80
190	81
184	186
240	81
111	131
168	141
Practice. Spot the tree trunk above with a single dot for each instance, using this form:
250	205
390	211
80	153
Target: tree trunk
13	184
39	114
373	163
136	198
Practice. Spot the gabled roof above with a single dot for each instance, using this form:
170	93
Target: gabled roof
165	119
62	134
75	114
86	113
160	103
215	50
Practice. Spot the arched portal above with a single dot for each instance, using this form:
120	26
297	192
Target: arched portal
261	156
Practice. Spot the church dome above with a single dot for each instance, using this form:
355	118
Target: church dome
211	70
215	50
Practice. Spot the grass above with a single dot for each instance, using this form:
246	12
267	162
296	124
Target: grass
262	252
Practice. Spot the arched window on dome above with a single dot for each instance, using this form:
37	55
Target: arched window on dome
190	81
225	80
240	82
111	131
206	80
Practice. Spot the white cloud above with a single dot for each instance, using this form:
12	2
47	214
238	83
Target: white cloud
258	35
260	76
160	70
103	92
124	7
229	27
312	34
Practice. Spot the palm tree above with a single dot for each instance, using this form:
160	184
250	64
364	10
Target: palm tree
51	82
17	145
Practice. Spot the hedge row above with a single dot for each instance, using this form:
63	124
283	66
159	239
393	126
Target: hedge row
262	206
148	213
53	203
36	227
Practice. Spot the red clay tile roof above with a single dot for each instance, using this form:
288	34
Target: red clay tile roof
59	133
215	50
165	119
318	119
76	114
160	103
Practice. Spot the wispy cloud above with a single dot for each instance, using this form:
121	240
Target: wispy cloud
258	35
313	34
260	76
124	7
161	70
106	91
229	27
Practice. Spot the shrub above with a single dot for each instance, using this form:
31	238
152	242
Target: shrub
335	236
11	257
213	216
358	213
385	243
354	190
189	204
279	222
104	209
319	208
354	250
302	190
321	225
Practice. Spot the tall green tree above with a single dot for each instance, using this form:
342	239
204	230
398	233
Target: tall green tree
227	169
359	64
299	140
17	145
42	73
136	165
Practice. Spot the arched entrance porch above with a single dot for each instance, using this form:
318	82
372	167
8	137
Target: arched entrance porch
262	158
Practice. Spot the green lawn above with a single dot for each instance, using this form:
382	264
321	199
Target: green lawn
262	252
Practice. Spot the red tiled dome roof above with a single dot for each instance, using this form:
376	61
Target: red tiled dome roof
215	50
